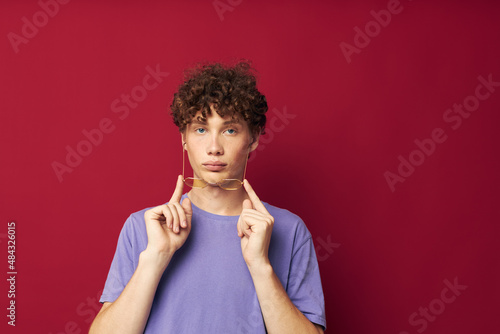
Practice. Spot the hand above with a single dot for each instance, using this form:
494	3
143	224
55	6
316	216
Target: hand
255	226
168	225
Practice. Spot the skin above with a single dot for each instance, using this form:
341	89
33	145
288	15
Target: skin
224	141
168	227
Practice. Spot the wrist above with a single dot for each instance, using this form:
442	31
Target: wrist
155	261
260	269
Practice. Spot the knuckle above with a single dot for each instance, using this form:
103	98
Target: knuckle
179	207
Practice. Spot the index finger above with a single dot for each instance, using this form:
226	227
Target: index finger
176	197
257	204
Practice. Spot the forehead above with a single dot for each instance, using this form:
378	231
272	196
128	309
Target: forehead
214	118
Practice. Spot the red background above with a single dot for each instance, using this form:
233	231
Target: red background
392	250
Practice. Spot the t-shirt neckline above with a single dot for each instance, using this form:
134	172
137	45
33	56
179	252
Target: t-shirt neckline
210	215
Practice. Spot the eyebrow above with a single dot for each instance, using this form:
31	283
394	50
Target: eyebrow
195	121
237	121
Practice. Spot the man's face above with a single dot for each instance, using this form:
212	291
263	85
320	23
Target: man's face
218	148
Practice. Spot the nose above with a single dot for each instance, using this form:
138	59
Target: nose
214	146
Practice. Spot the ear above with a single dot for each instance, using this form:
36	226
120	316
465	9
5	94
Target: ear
255	143
183	140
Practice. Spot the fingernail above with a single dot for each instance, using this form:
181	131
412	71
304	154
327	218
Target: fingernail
176	229
184	224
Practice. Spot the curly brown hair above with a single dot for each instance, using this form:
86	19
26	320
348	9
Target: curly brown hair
231	90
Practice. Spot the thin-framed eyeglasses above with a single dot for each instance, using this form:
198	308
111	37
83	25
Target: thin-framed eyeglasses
226	184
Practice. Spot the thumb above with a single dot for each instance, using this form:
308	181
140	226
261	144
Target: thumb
247	204
188	210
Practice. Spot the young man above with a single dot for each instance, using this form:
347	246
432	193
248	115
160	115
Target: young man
216	259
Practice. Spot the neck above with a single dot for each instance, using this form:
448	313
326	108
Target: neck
218	201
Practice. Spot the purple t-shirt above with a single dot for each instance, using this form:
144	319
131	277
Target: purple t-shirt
207	287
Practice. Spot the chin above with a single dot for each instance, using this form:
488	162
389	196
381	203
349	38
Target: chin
216	177
212	177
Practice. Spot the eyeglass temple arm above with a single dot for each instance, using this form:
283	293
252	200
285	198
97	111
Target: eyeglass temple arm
246	163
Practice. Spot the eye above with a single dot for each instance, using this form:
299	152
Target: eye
200	130
231	131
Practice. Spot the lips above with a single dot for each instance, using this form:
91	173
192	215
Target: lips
214	166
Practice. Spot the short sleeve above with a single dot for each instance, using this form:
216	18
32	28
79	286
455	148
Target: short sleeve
304	283
123	264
